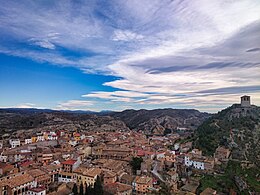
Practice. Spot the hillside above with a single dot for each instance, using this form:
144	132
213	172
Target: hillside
150	121
156	121
235	127
24	119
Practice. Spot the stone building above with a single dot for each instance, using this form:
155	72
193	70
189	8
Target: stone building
245	101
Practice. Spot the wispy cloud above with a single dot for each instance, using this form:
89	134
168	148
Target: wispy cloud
75	105
126	35
164	52
253	50
25	105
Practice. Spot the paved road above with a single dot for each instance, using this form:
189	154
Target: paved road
154	171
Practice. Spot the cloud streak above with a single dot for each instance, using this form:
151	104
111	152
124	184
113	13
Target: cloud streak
167	53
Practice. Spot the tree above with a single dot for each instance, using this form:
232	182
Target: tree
136	164
165	189
98	188
86	189
81	189
75	189
167	131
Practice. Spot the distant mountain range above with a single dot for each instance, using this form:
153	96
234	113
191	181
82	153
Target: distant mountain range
150	121
36	110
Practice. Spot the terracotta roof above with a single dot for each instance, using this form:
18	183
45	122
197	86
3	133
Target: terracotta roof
17	180
117	187
27	163
80	170
140	153
69	162
143	179
39	189
93	172
4	165
127	177
44	178
36	172
109	174
51	167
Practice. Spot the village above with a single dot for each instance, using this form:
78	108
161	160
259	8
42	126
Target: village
125	162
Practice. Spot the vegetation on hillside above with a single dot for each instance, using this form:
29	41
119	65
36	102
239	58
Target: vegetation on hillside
223	183
136	164
243	126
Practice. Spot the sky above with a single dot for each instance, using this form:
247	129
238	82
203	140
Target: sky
116	55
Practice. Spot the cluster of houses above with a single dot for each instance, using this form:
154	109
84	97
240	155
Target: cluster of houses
50	162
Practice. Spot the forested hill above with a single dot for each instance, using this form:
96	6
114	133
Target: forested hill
236	127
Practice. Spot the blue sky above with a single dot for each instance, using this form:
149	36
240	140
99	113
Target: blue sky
116	55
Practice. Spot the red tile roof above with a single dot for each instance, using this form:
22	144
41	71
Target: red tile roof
39	189
140	153
69	162
27	163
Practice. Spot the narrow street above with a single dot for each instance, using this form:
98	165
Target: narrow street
154	171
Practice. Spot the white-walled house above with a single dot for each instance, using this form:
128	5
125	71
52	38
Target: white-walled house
3	158
90	138
176	146
194	162
83	136
40	138
17	183
66	177
198	161
51	136
160	155
14	143
28	140
73	142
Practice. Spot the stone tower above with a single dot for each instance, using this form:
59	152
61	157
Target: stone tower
245	101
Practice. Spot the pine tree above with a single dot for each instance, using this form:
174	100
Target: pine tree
86	189
89	190
81	189
75	189
136	164
98	188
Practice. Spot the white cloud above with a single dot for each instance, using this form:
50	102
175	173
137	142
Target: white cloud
45	44
25	105
125	35
75	105
159	49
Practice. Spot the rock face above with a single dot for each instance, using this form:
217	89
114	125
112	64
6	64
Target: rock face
156	121
150	121
235	127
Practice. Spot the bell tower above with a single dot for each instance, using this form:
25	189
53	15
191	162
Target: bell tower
245	101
